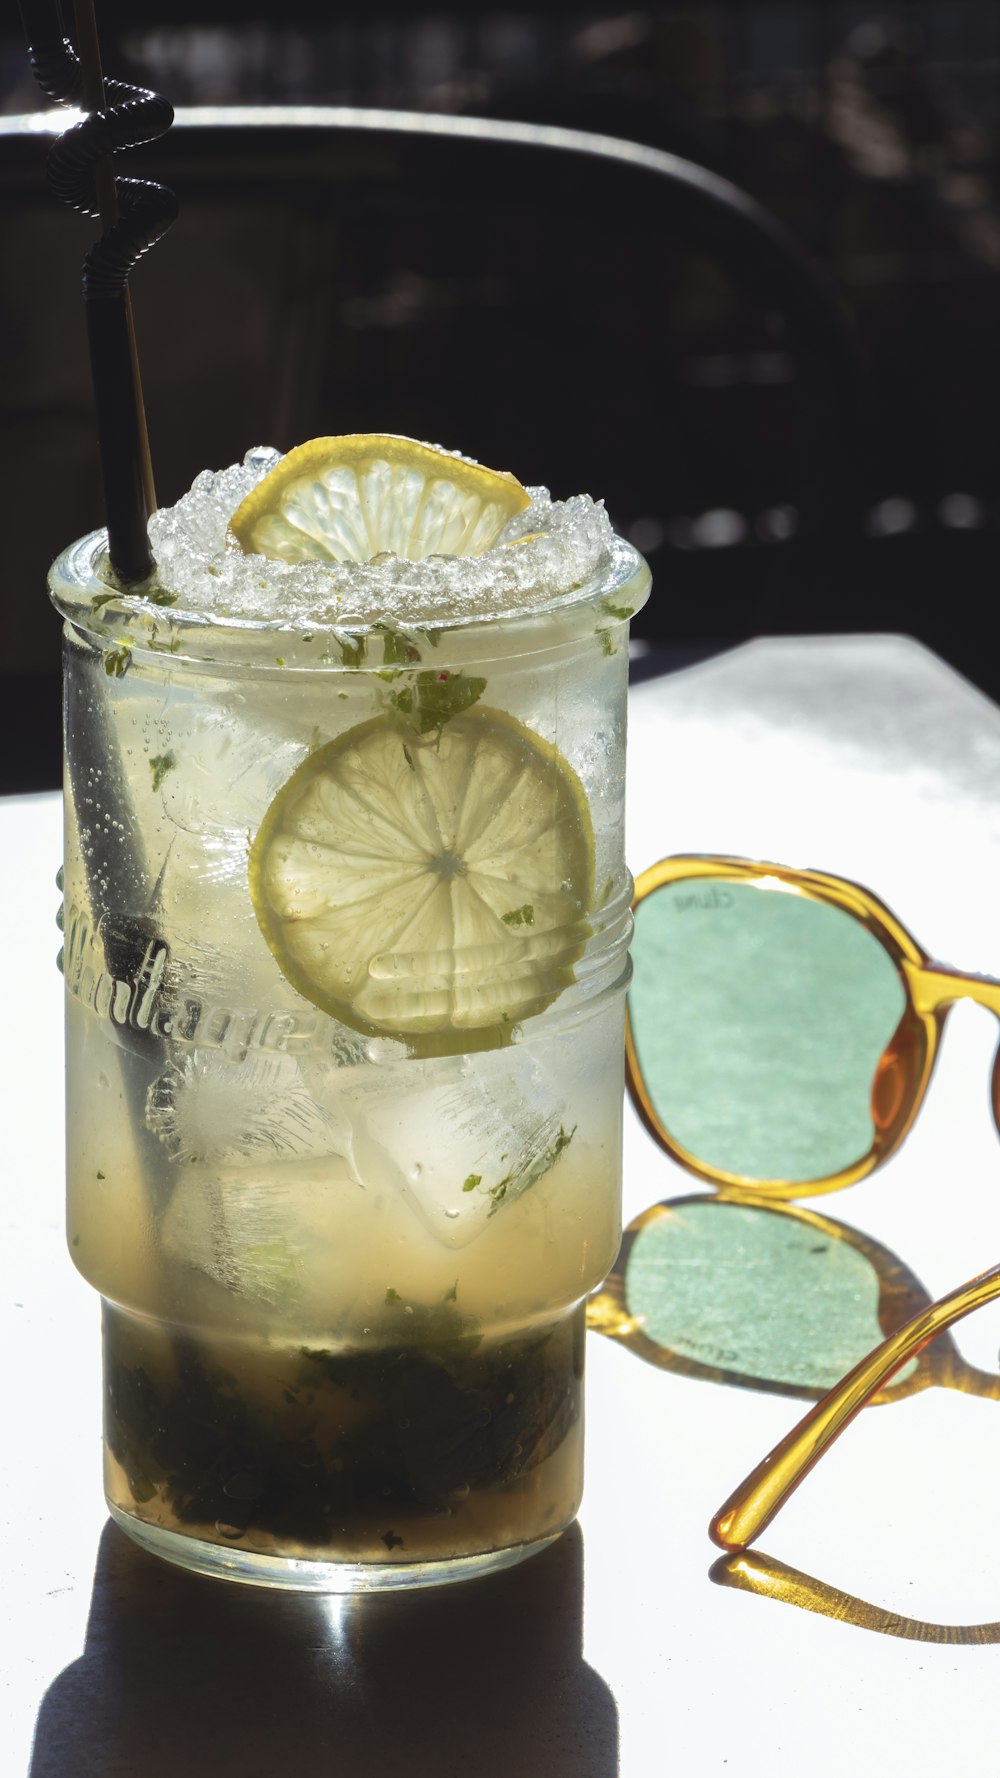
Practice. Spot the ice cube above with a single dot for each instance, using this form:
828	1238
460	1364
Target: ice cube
461	1139
211	1107
263	1230
226	764
225	768
264	1172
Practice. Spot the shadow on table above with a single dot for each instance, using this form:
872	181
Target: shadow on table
181	1674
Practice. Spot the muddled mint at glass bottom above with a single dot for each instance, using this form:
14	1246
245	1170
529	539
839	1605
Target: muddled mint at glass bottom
759	1017
451	1445
755	1292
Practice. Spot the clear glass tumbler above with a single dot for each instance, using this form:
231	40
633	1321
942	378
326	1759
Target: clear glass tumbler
342	1169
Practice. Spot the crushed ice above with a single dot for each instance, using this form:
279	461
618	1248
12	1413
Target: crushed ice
566	544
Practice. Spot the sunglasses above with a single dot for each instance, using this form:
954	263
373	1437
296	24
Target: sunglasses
782	1025
782	1030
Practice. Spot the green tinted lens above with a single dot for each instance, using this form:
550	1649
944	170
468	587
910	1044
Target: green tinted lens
758	1018
760	1294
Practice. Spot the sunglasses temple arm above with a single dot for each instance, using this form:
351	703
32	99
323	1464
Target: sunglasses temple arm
754	1503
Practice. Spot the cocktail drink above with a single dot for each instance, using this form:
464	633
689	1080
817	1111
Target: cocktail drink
346	923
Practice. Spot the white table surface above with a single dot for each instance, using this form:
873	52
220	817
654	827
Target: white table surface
614	1651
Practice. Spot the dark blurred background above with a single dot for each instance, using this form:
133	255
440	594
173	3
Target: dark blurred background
570	320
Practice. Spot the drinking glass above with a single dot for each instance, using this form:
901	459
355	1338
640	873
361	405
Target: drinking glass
344	1235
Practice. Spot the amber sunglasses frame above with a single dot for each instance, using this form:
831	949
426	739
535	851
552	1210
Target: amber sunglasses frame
905	1068
762	1494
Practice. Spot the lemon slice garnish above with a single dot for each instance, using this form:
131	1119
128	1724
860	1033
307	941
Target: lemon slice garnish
429	887
351	498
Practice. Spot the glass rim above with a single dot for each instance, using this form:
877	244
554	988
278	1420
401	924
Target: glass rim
147	627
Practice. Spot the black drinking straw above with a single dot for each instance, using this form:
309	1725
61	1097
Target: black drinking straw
134	214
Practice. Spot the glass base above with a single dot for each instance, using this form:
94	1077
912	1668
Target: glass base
202	1557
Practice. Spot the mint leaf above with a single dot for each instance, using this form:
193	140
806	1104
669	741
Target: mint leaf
117	661
156	597
432	699
392	1296
397	650
562	1141
160	765
523	916
621	612
520	1178
529	1169
353	653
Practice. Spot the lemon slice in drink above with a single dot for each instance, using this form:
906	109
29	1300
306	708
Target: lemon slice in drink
348	499
428	887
